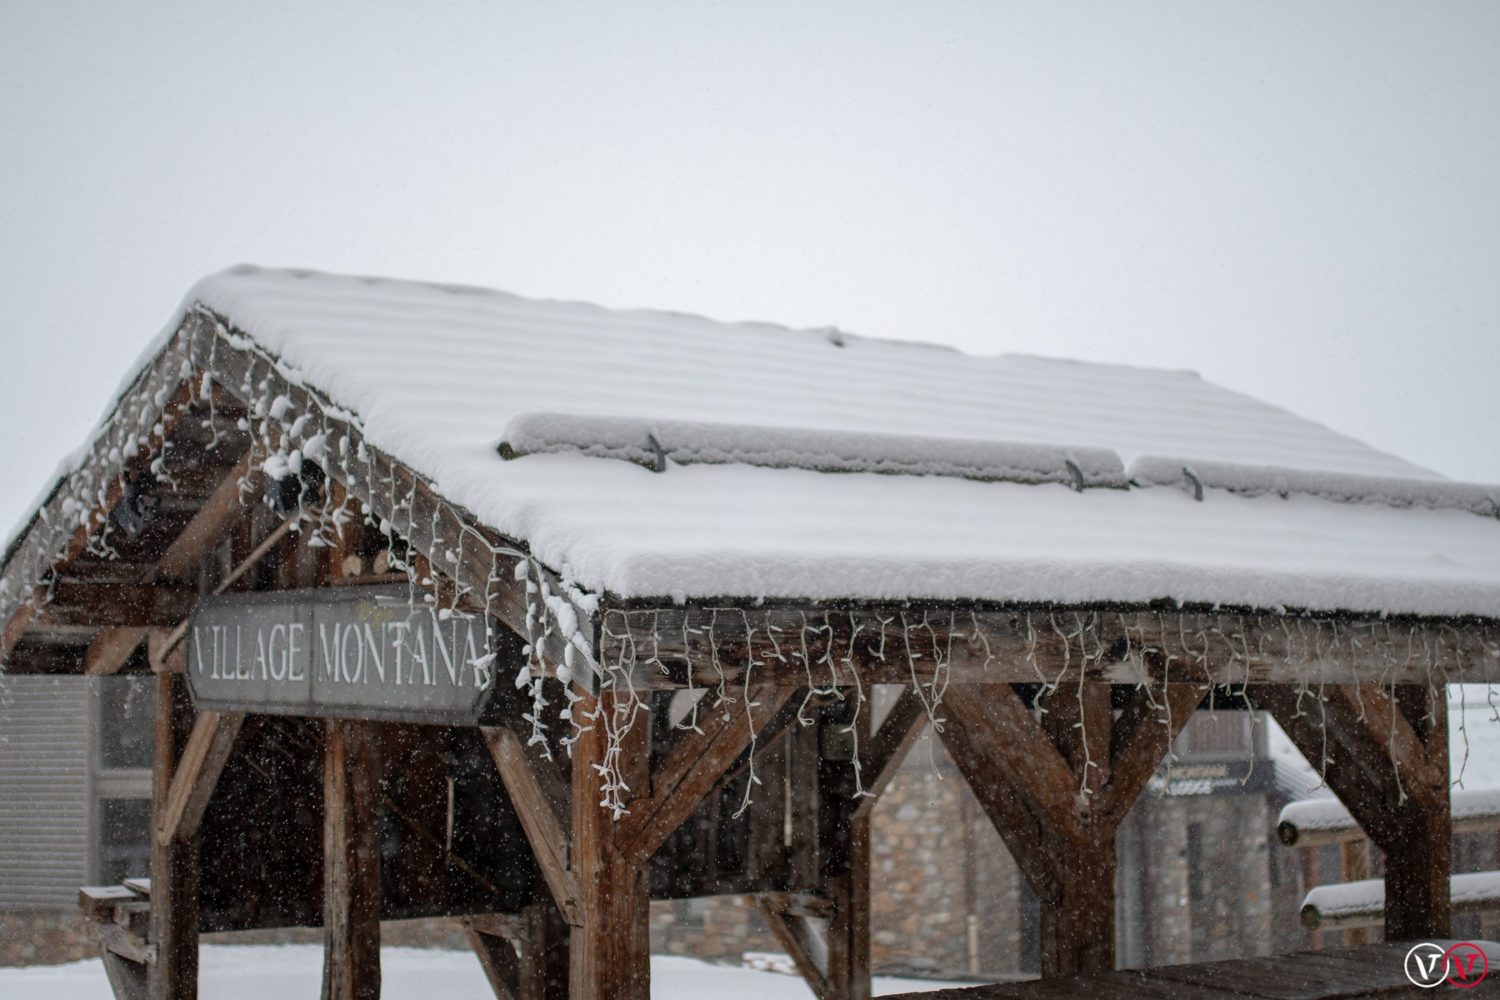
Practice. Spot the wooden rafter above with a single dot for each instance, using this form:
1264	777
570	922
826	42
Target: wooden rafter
694	767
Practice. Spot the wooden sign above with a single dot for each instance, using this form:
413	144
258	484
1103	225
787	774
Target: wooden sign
349	653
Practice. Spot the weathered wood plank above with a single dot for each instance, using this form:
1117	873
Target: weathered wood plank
98	901
118	604
351	861
127	979
526	783
208	749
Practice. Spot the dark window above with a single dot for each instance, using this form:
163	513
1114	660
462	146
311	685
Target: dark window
124	839
1195	862
125	722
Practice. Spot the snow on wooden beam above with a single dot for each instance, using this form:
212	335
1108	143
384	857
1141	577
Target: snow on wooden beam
1251	480
1315	822
653	443
672	646
1362	904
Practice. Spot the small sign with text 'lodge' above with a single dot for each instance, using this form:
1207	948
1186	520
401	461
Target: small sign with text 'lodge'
349	653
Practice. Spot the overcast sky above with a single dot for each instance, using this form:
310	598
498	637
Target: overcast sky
1300	201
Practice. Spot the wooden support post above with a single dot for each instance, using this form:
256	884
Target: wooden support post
846	875
174	863
610	954
1419	857
1057	791
1387	760
351	861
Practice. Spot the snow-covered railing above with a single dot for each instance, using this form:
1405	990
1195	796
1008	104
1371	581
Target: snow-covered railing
1314	822
654	443
1252	480
1362	904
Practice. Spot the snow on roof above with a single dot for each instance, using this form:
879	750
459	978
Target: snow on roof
436	374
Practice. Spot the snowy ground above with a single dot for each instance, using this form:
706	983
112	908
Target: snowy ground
251	972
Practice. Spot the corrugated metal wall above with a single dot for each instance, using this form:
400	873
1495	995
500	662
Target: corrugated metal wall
44	791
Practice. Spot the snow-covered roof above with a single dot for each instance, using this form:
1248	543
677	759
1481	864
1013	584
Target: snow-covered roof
435	375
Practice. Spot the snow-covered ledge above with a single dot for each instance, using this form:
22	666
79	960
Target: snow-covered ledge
1362	904
1314	822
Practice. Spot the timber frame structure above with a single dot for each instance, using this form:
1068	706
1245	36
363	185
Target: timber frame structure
1056	716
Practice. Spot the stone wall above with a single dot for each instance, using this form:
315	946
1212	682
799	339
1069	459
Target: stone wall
44	937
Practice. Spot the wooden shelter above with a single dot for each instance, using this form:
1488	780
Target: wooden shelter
387	687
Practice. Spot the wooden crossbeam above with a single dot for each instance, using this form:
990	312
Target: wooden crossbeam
110	649
524	955
1056	789
694	767
804	943
218	513
1387	760
118	604
497	957
898	733
208	749
537	806
993	776
1138	742
961	645
999	732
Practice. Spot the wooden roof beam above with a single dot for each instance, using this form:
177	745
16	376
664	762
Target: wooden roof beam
896	644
